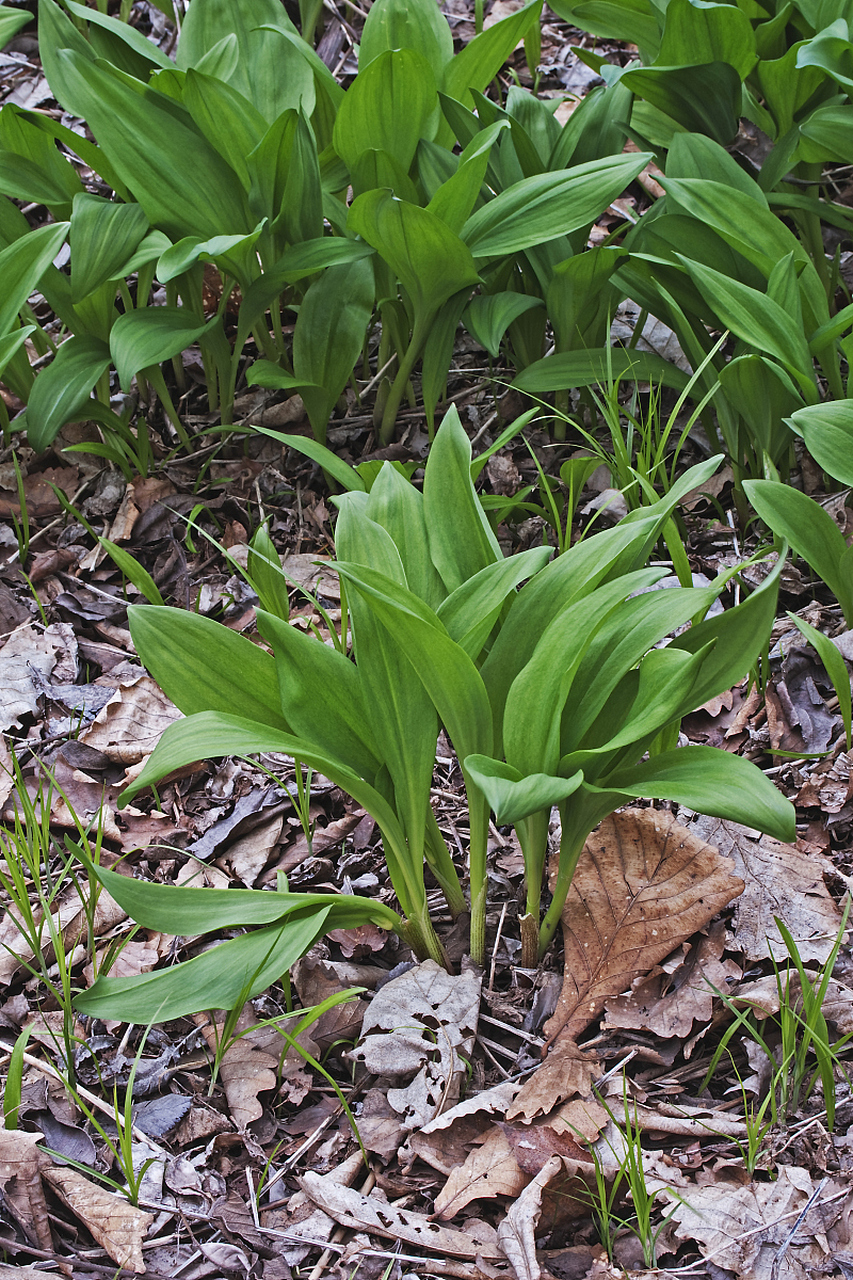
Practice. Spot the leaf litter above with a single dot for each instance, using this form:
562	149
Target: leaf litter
484	1100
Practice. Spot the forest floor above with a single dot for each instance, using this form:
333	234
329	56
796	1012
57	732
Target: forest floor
479	1157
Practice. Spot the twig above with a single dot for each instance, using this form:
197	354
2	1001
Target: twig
786	1243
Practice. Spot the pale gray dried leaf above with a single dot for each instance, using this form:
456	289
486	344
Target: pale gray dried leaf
128	728
117	1225
29	650
780	881
365	1213
158	1115
21	1168
421	1024
517	1232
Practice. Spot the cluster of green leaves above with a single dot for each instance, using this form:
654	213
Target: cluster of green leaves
551	692
733	246
340	208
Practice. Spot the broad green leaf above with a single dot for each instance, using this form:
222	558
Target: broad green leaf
219	978
827	430
461	541
376	168
836	669
103	238
471	611
142	53
549	205
22	179
388	108
444	669
430	261
695	155
567	369
757	320
186	911
263	373
482	58
12	20
832	51
711	781
739	635
228	250
812	533
329	335
229	121
627	634
513	797
702	99
763	394
827	134
183	184
61	390
579	300
399	507
489	315
11	343
142	338
203	666
596	128
703	33
275	74
406	24
322	696
22	265
634	20
266	574
454	200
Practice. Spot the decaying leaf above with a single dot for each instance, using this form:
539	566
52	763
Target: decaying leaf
30	652
366	1213
567	1072
517	1232
670	999
128	728
117	1225
643	885
421	1024
21	1167
246	1069
447	1140
780	881
489	1170
743	1229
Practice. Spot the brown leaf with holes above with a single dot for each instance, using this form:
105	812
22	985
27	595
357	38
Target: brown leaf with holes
517	1232
490	1170
246	1069
117	1225
21	1165
644	884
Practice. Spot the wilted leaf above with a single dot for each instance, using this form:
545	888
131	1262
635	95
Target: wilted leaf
361	1213
21	1165
780	881
422	1024
643	885
446	1141
715	1216
246	1070
567	1072
116	1224
130	725
667	1003
489	1170
517	1232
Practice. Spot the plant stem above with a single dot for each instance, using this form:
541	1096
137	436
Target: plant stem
571	846
398	386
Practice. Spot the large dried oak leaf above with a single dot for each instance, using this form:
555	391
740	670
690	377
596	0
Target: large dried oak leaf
643	885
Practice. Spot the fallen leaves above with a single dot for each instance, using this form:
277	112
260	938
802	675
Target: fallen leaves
644	884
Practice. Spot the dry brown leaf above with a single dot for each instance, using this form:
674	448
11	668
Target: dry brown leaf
7	771
780	881
70	919
250	853
21	1166
743	1229
128	728
246	1069
135	957
421	1024
517	1232
447	1140
643	885
669	1002
29	649
366	1213
490	1170
567	1072
117	1225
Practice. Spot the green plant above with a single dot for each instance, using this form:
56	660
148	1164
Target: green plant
39	883
549	695
806	1052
